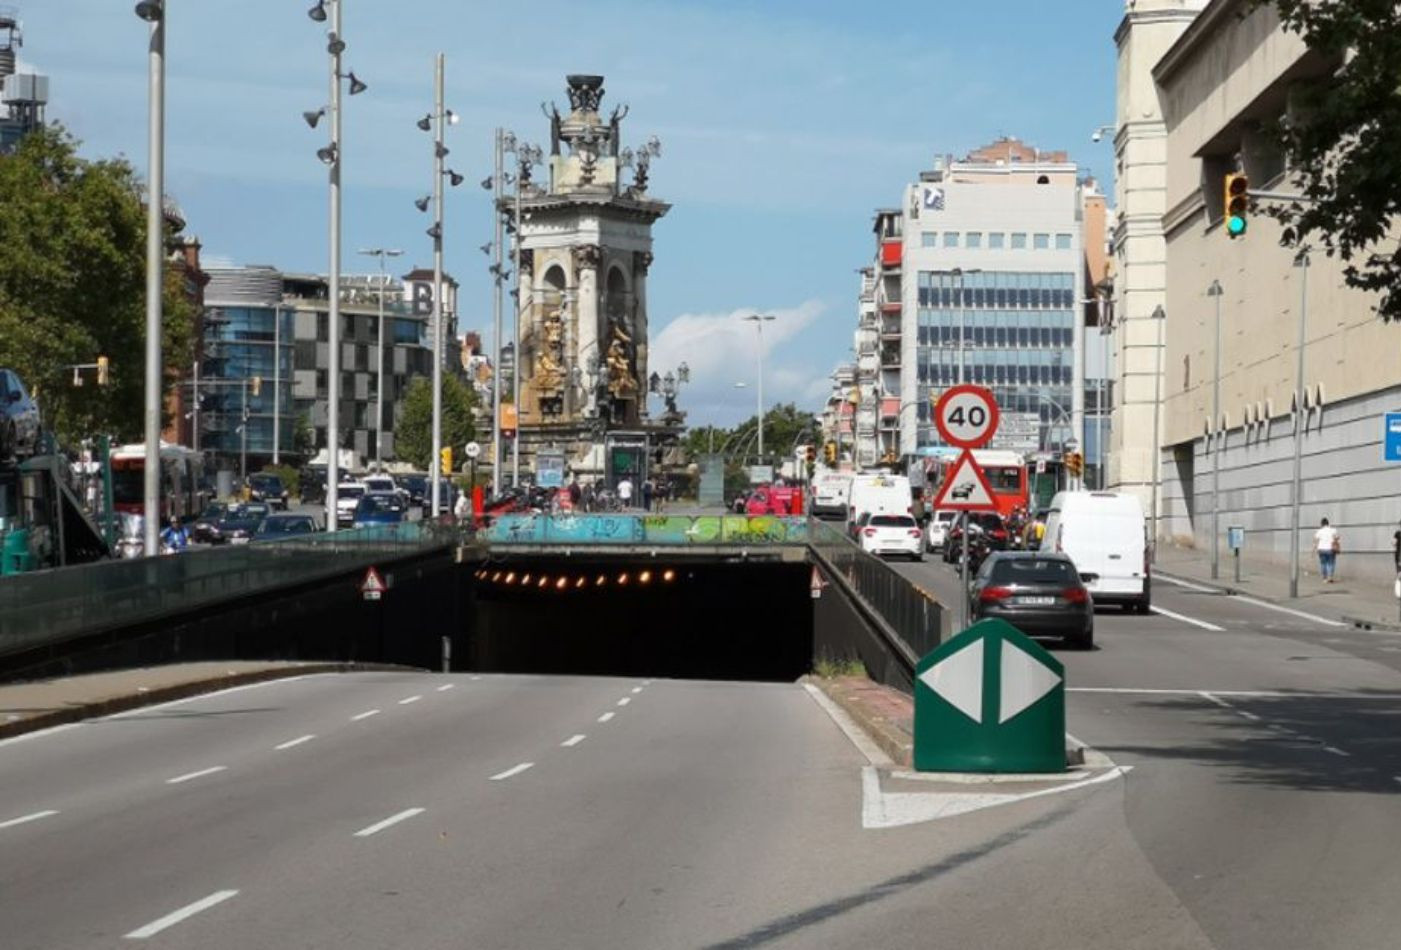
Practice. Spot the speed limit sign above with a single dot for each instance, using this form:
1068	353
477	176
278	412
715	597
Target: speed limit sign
966	416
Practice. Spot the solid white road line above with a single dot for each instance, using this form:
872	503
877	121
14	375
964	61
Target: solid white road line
511	772
170	920
365	715
1215	699
1289	610
625	700
1247	715
411	699
445	687
1335	750
1148	691
260	684
1185	619
636	690
1187	584
23	819
379	826
849	728
294	742
567	743
193	775
40	732
605	717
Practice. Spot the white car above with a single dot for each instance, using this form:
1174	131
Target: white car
939	526
348	495
892	534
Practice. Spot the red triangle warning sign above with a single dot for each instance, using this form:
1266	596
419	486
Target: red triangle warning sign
373	583
965	488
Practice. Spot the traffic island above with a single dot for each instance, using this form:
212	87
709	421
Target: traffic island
884	714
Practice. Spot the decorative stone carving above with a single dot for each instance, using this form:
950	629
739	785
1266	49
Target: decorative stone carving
585	92
641	262
587	256
527	261
622	384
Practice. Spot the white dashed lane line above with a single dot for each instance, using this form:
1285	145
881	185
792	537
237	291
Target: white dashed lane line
445	687
171	919
605	717
365	715
379	826
293	743
190	776
35	816
567	743
512	772
625	700
636	690
410	699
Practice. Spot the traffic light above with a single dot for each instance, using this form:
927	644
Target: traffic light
829	453
102	370
1237	203
256	384
445	460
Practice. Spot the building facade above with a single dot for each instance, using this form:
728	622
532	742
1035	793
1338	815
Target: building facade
1235	312
23	96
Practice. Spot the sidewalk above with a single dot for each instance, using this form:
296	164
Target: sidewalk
25	707
1366	601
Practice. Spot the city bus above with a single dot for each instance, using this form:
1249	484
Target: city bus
182	488
1005	471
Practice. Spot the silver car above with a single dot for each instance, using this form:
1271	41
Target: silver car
19	418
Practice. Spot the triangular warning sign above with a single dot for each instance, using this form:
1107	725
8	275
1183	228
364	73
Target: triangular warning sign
817	582
965	487
373	583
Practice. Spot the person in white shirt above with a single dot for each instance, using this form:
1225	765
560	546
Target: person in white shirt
1328	543
625	492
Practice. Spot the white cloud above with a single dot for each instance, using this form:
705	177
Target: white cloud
719	348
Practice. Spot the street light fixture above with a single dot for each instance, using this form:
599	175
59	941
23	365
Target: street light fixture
1100	132
1214	434
318	12
313	116
1296	494
436	120
759	319
422	203
1160	318
153	13
150	10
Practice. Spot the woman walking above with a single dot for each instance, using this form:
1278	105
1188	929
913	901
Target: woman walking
1328	543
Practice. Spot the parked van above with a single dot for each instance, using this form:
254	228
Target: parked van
829	494
1105	535
878	494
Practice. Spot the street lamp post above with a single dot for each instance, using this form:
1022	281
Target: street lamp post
153	12
1215	291
1296	494
381	253
1160	318
277	385
759	319
526	156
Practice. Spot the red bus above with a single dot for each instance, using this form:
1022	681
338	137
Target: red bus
1005	471
182	490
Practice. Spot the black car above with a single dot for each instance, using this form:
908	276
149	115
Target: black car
205	528
19	418
267	487
313	482
278	526
241	522
416	486
1039	594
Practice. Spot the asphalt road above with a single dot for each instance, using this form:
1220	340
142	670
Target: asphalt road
419	810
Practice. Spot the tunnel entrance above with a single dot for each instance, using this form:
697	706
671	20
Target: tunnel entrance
641	616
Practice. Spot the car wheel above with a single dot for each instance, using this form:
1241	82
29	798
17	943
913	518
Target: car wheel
1143	605
1085	641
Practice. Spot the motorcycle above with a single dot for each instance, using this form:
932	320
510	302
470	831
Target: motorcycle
131	541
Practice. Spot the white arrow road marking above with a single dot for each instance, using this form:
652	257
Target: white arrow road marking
893	809
171	919
958	679
1025	679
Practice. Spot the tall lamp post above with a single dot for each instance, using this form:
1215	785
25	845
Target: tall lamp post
153	12
1160	318
527	156
381	253
332	156
1215	435
1296	493
759	319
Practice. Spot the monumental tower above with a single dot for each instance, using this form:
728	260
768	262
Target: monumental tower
585	248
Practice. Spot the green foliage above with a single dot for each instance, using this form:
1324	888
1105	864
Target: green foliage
413	433
72	285
785	426
1343	140
828	667
304	437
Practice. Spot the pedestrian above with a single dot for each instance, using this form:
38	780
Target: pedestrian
574	492
647	494
1328	543
463	508
1396	549
625	492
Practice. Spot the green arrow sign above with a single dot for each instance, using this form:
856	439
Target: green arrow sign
990	700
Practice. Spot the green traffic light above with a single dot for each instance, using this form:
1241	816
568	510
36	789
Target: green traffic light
1235	225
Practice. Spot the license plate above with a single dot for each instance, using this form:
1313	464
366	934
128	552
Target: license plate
1034	601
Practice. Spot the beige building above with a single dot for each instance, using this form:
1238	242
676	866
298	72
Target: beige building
1230	71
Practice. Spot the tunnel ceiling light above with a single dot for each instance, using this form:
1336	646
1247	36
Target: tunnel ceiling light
645	577
525	579
544	581
601	580
668	575
496	577
581	582
511	577
562	583
623	579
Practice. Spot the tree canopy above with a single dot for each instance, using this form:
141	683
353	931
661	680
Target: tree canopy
413	433
1343	140
72	285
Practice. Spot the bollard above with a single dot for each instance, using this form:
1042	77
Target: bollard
447	654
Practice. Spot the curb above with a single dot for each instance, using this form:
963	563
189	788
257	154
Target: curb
1366	623
888	737
165	694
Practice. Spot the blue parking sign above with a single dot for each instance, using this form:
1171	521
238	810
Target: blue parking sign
1391	440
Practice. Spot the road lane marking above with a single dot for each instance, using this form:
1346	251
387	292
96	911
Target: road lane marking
411	699
39	732
445	687
1336	751
624	701
474	678
511	772
1215	699
605	717
1185	619
636	690
188	776
25	819
1188	584
379	826
260	684
849	728
567	743
365	715
1248	715
291	743
1288	610
171	919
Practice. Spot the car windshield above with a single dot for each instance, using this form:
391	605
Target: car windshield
285	526
374	504
893	521
266	483
350	491
1027	570
214	512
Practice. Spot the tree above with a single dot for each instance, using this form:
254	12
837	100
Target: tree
413	433
72	285
1343	140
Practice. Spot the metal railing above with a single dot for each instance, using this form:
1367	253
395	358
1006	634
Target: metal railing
48	607
629	529
913	616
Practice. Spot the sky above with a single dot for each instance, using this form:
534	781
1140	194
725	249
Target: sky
784	124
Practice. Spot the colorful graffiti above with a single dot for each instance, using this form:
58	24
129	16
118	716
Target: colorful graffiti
667	530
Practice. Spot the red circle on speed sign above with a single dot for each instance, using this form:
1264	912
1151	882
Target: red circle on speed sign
966	416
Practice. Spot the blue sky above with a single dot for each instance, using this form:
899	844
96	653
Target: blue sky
783	123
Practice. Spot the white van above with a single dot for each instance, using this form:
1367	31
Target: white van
878	494
1106	536
830	491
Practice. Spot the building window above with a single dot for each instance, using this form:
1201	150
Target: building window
1062	242
950	239
1040	242
995	240
1018	240
973	239
929	239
